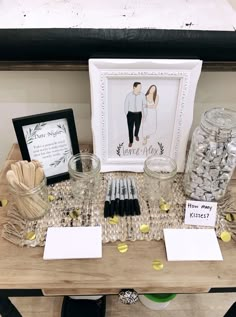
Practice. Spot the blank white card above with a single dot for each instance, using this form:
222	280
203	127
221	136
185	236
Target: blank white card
73	243
192	245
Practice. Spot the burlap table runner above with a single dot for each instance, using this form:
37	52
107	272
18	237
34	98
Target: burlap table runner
91	214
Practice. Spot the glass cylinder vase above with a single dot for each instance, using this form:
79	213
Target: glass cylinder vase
159	174
84	170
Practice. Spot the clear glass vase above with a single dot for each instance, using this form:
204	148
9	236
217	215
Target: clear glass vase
159	174
84	170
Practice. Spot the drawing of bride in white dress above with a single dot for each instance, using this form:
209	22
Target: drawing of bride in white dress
150	120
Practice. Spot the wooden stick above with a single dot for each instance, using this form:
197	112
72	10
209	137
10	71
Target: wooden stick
19	172
39	175
36	163
12	179
32	175
26	174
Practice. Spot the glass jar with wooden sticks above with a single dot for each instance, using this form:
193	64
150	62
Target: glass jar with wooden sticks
27	184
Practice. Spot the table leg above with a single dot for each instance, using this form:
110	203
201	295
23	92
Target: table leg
232	311
7	309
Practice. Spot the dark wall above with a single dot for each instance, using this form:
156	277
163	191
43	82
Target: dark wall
82	44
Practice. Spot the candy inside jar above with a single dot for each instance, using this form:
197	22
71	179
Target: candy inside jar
212	156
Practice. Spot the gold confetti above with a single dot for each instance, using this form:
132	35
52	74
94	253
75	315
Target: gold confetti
30	235
114	220
229	217
157	265
122	247
164	205
51	198
3	202
144	228
74	214
225	236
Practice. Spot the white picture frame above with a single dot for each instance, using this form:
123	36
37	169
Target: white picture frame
117	104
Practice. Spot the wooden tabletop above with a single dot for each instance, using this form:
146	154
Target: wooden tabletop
24	268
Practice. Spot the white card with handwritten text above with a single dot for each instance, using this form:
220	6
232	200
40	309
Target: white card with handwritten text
200	213
49	143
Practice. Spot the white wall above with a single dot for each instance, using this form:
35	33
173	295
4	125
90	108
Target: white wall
26	93
168	14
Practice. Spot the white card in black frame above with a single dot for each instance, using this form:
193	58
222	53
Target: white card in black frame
50	138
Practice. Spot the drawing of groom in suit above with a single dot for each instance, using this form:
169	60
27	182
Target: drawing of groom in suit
134	109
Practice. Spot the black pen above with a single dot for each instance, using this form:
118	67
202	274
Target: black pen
113	195
131	199
107	204
117	200
122	192
126	196
135	196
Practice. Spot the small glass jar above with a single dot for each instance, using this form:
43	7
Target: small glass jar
84	170
212	156
32	203
159	174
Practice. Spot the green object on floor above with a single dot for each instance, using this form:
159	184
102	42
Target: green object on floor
160	298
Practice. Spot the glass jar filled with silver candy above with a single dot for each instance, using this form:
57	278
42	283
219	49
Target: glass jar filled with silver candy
212	156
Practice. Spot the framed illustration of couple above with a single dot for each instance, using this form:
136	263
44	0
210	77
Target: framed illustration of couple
141	108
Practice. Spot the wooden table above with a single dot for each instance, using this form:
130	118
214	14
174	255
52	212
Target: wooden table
24	268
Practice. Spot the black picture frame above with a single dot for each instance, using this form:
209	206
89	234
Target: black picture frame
42	119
